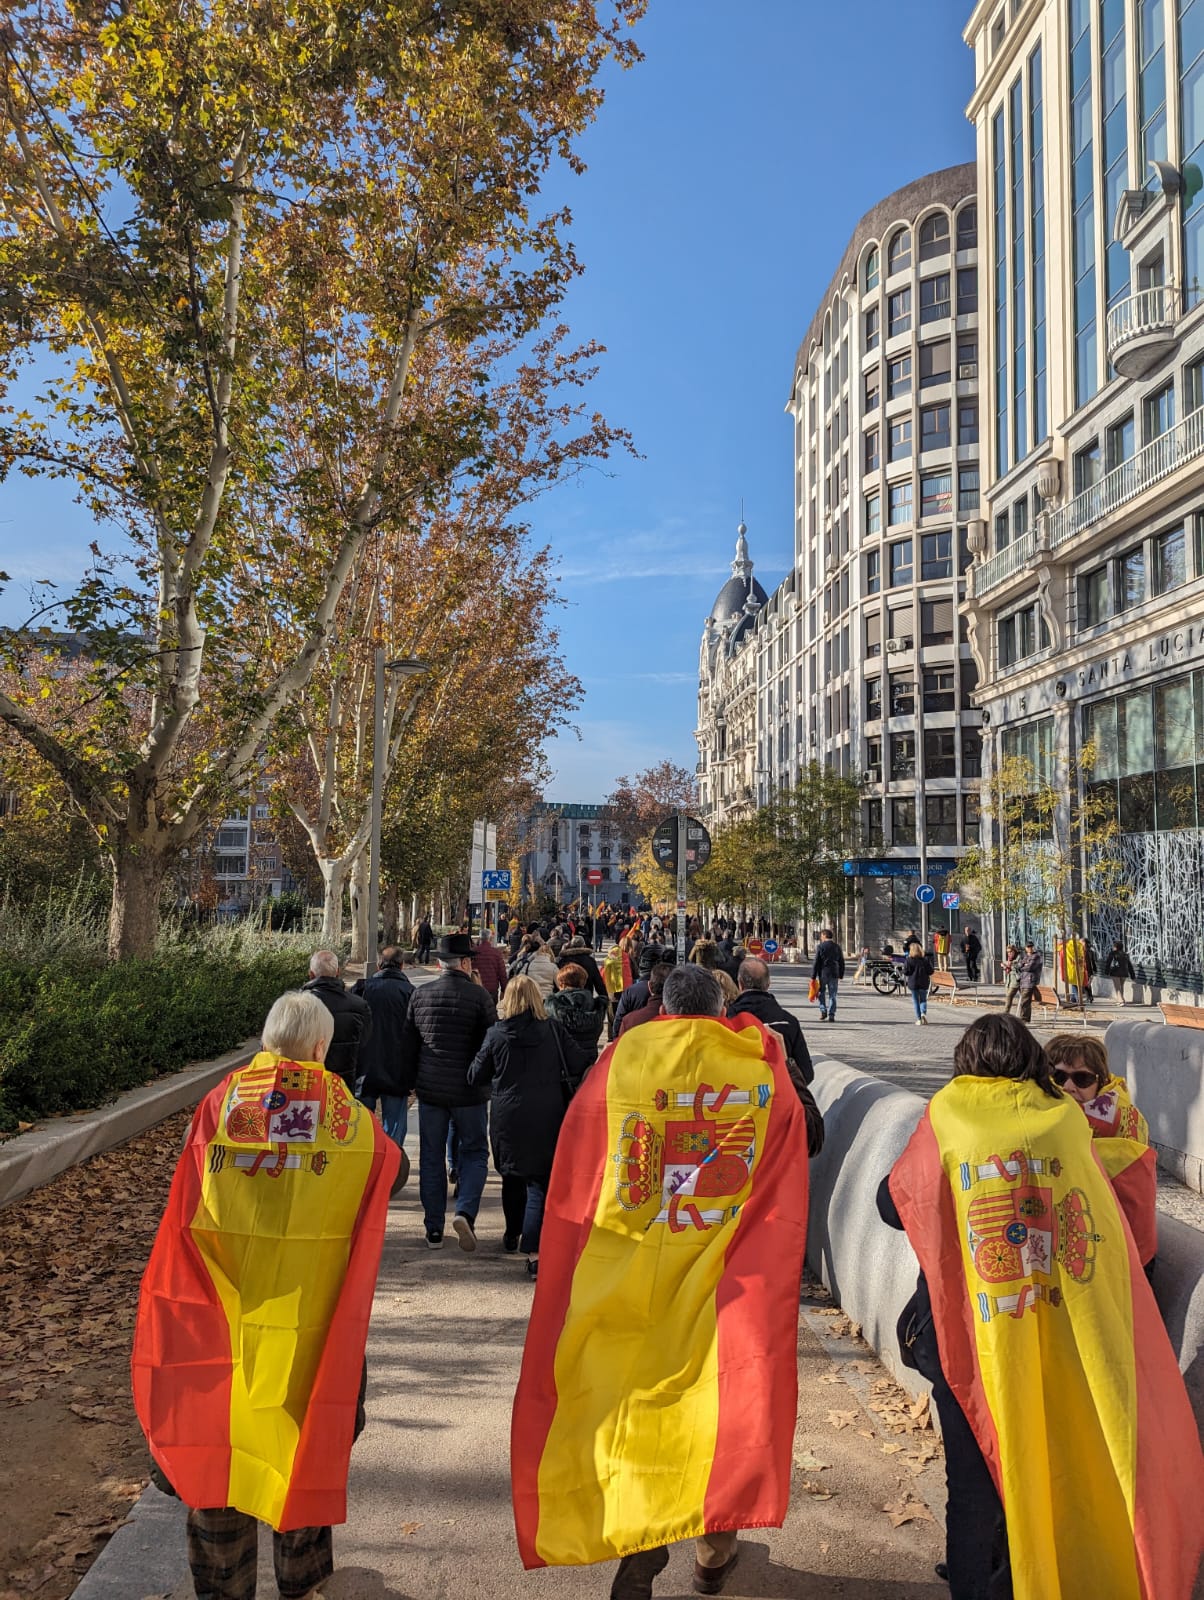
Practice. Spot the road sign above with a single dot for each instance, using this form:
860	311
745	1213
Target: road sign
770	947
950	901
494	895
594	875
496	880
755	947
925	893
697	845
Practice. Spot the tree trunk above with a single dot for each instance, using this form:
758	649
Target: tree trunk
391	907
359	907
138	874
334	876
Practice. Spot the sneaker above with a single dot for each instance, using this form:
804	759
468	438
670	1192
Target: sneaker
710	1580
434	1238
465	1232
510	1243
533	1268
823	1016
919	1022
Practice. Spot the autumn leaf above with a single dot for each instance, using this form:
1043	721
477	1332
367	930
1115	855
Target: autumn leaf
906	1509
841	1419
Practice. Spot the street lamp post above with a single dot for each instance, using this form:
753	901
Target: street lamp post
407	667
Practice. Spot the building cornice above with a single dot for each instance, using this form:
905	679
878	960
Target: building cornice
1000	68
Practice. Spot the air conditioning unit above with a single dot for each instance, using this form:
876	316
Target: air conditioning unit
967	369
873	774
893	646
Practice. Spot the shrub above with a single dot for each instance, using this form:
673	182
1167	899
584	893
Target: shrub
75	1034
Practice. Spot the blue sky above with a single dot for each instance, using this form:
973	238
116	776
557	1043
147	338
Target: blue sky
726	173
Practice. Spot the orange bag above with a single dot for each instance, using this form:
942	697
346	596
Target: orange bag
813	990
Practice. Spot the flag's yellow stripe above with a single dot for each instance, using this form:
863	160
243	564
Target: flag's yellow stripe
624	1442
1060	1381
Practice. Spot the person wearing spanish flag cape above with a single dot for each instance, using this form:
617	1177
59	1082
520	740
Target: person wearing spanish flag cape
1073	1457
659	1381
248	1363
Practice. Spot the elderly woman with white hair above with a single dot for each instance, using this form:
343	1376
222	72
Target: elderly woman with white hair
248	1365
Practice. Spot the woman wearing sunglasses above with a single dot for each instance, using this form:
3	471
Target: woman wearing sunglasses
1079	1066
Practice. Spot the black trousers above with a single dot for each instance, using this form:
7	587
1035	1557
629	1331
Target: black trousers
976	1538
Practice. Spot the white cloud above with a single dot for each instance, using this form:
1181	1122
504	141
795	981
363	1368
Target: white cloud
681	571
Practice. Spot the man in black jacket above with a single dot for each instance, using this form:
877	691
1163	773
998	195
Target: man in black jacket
755	1000
444	1028
387	995
829	970
352	1018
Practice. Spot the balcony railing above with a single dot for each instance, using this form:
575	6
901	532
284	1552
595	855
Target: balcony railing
989	574
1145	317
1161	457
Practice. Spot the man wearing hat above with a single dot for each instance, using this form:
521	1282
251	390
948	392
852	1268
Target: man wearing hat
444	1028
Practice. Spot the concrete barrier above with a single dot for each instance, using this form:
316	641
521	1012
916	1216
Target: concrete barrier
871	1269
1164	1068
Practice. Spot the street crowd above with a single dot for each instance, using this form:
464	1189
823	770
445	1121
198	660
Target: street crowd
1027	1193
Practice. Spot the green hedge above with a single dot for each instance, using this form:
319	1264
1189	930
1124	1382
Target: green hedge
75	1036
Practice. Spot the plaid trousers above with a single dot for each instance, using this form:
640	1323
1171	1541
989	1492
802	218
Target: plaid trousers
223	1553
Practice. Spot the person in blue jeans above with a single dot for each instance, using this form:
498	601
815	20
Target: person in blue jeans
387	993
917	975
444	1028
829	970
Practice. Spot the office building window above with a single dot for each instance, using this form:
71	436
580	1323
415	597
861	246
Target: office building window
872	458
903	754
967	291
967	228
967	490
873	824
898	310
1158	413
934	363
972	816
901	626
1082	197
934	428
898	377
936	556
1116	143
873	513
873	328
903	821
873	704
1130	578
871	269
969	675
1151	80
1036	223
901	565
934	237
1003	531
899	448
1021	635
898	252
1094	607
938	689
967	422
940	816
1191	142
1019	519
873	633
1193	382
967	356
1087	468
873	383
873	571
1170	561
1119	442
936	494
934	298
900	503
999	196
936	622
1019	276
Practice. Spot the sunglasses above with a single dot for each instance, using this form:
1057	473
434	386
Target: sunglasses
1081	1079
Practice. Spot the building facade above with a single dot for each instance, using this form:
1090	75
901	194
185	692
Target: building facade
559	846
1084	600
858	660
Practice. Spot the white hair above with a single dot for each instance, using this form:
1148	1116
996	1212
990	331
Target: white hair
323	964
296	1025
692	991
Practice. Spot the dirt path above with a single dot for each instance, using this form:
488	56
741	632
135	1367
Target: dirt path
74	1460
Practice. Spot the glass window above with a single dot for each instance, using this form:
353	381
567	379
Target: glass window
940	753
873	513
873	571
1003	531
902	756
1158	412
967	291
898	377
903	821
1170	560
871	269
898	252
1119	441
1093	597
900	440
967	228
967	489
900	503
934	363
967	422
936	622
872	457
873	384
902	695
1019	519
936	555
936	494
1130	578
873	824
934	237
934	298
873	633
967	355
899	312
934	428
1193	386
1087	469
901	564
938	689
872	328
940	818
873	706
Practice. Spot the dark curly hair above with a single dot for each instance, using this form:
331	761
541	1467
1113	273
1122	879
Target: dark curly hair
1002	1047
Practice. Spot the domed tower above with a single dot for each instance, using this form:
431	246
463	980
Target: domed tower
741	596
730	619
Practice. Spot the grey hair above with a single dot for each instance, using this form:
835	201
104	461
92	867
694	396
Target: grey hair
753	974
323	964
295	1024
451	963
692	991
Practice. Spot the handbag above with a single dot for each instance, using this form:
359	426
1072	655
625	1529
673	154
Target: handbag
813	990
567	1086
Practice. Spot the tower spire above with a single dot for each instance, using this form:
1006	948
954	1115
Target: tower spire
742	566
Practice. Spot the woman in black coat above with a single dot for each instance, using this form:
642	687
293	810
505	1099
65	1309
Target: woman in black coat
534	1066
917	975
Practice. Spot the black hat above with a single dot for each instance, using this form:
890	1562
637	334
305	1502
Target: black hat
453	947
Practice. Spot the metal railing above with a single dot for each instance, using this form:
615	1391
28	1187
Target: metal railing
1148	311
1161	457
989	574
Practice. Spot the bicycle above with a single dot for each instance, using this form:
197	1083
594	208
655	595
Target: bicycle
888	978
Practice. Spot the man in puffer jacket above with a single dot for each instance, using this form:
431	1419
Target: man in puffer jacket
444	1028
352	1018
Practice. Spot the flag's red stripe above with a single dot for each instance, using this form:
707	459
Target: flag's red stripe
317	1491
582	1163
757	1323
182	1367
1137	1190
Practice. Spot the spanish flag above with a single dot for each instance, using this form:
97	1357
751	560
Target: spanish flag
1052	1343
1122	1143
254	1308
659	1381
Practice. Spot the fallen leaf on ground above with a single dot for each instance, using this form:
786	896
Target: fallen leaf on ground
841	1419
408	1528
817	1490
823	1550
905	1509
810	1462
891	1449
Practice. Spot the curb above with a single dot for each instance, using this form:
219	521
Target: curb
34	1158
146	1556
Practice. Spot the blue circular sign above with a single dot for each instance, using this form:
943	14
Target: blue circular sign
925	893
770	947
